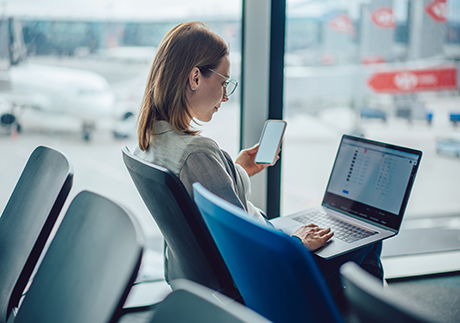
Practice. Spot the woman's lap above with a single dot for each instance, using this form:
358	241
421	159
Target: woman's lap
367	257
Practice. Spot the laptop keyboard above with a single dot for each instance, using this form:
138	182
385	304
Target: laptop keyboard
344	231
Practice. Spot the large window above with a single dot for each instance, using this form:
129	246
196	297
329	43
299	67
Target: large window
387	70
73	76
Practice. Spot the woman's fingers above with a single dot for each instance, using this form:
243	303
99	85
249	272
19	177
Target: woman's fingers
253	149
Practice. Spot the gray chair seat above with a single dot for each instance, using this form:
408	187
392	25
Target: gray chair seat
190	251
27	220
89	268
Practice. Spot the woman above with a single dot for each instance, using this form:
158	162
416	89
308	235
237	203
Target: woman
189	78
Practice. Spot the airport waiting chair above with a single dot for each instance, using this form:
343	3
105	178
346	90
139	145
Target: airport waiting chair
88	270
371	303
276	276
194	303
27	221
190	251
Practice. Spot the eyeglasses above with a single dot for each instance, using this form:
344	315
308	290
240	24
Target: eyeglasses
230	84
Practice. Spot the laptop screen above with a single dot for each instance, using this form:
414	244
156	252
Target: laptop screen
372	180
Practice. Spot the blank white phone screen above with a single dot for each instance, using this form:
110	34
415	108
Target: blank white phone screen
270	142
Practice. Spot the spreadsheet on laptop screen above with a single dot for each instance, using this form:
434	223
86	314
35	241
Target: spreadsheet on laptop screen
372	175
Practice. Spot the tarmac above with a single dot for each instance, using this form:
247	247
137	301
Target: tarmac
308	152
309	148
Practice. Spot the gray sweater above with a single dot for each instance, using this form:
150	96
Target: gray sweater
199	159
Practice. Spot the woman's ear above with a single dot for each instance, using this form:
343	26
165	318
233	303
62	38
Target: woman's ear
194	78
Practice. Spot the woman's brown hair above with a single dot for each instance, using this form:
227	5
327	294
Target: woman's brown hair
184	47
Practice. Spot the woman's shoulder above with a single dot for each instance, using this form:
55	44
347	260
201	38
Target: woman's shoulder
200	144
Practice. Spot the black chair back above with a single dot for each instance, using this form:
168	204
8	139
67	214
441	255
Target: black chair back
192	253
28	219
193	303
89	267
372	303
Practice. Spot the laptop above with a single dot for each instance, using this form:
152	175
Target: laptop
365	198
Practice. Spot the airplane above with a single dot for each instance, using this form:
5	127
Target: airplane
83	95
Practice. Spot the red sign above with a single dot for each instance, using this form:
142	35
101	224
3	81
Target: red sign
437	10
433	79
327	59
342	24
384	17
372	59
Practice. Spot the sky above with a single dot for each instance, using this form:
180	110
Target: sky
162	9
158	10
319	8
121	9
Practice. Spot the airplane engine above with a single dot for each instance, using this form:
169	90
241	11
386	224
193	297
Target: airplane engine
8	123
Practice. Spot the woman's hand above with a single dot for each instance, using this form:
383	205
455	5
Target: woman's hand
246	160
312	236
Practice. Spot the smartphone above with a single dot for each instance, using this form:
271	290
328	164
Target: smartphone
270	141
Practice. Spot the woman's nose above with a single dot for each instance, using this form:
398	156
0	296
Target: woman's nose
225	98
